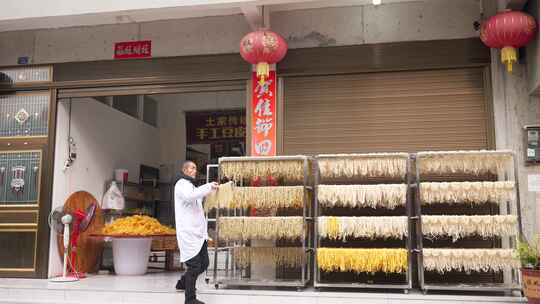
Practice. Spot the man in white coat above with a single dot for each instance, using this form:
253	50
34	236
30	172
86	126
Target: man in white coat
191	228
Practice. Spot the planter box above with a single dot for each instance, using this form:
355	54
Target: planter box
531	285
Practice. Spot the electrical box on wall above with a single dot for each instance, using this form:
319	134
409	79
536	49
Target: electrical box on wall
532	144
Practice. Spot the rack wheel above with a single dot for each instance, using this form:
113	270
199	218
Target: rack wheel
406	291
216	286
207	280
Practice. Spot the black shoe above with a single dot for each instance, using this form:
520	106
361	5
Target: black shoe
194	302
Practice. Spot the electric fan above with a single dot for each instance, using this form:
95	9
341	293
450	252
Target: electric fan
70	225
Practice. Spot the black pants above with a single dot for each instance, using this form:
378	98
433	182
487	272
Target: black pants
195	266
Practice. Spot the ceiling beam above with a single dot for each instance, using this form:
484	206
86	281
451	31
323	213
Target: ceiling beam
253	15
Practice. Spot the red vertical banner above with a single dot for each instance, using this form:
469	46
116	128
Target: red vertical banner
263	116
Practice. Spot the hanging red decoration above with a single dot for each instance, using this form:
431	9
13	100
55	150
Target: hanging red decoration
256	182
508	31
271	181
263	47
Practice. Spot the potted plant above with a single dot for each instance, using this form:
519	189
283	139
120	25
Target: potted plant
529	254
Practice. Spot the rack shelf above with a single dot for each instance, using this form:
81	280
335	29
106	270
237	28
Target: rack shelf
370	173
486	182
296	172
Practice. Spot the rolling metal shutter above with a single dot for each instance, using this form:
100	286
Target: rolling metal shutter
388	111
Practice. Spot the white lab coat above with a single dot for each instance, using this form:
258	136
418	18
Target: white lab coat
191	224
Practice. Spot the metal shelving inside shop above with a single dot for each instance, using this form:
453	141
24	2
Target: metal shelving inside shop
467	207
363	228
265	222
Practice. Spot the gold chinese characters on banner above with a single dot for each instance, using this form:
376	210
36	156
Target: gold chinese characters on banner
210	127
263	116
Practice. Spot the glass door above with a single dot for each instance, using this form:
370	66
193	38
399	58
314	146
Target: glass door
24	131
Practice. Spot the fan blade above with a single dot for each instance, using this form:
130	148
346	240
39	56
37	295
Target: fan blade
90	211
56	221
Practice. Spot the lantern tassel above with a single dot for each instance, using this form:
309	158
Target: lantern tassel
263	71
508	57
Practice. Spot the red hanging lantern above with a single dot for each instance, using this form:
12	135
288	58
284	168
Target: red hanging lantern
263	47
508	31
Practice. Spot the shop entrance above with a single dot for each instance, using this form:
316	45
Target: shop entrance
148	135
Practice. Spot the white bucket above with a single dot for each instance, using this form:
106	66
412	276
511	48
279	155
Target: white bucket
130	255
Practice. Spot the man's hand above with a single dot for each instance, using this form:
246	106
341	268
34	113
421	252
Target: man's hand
214	185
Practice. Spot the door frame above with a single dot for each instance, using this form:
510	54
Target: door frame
44	144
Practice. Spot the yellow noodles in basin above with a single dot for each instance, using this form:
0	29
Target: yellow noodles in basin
137	225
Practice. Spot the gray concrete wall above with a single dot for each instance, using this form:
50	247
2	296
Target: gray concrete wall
422	20
533	52
514	108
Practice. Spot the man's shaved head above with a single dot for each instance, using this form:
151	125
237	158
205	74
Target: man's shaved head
189	168
187	164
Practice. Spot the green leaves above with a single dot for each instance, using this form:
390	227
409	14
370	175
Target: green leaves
529	253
